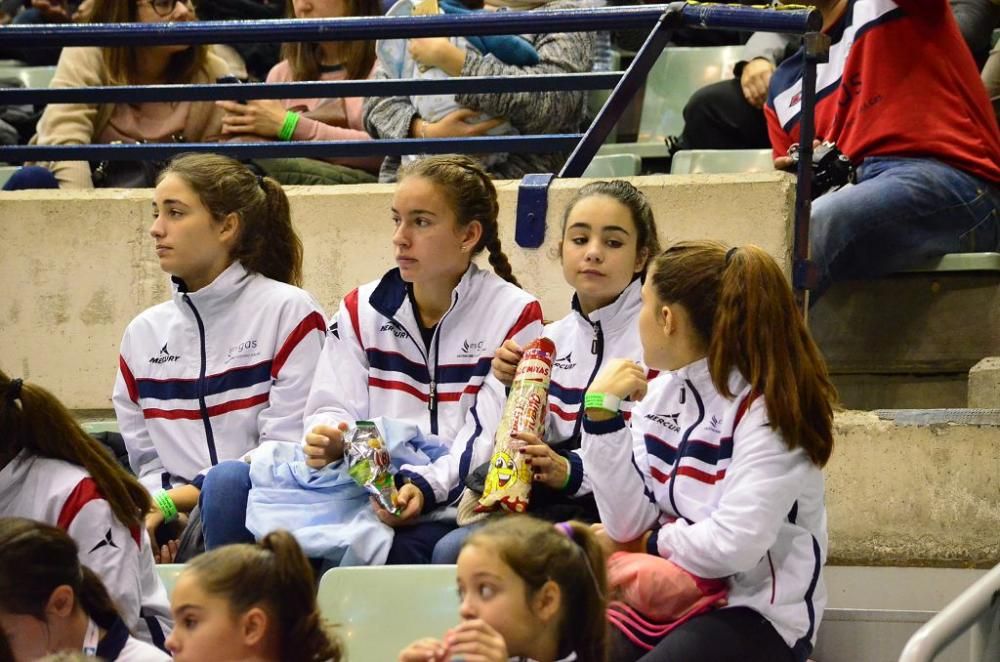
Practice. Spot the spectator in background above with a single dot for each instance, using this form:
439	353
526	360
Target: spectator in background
313	119
82	124
902	98
528	112
259	57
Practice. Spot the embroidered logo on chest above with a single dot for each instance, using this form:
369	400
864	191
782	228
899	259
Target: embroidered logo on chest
164	356
471	349
245	349
668	421
393	328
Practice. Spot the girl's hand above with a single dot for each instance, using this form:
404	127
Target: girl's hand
505	361
622	378
410	499
324	445
425	650
547	466
475	641
454	125
261	117
437	52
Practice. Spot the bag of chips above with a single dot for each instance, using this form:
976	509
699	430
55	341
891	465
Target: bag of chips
508	483
369	464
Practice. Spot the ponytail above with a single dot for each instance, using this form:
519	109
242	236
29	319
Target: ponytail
267	242
473	198
569	554
274	574
35	559
33	420
742	308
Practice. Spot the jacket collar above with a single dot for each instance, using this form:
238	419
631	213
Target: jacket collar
389	296
700	376
620	313
224	288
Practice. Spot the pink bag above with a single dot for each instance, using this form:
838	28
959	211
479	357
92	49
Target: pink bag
651	596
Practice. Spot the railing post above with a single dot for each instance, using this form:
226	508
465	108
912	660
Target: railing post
804	274
624	91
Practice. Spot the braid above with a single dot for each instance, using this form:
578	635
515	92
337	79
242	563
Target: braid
499	262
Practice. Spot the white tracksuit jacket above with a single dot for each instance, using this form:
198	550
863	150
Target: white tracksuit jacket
375	363
723	493
211	374
64	495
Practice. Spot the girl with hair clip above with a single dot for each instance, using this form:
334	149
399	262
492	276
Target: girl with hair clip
721	471
54	472
530	592
313	119
250	602
51	603
227	362
416	346
608	236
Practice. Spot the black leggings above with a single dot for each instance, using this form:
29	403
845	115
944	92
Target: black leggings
737	634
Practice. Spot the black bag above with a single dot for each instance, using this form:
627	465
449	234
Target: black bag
128	174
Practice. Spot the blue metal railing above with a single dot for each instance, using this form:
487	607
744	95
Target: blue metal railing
662	19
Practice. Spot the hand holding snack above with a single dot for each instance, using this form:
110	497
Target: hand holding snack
475	640
424	650
369	464
505	361
324	445
409	503
547	466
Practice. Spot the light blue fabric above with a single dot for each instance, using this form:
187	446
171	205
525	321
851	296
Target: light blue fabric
327	512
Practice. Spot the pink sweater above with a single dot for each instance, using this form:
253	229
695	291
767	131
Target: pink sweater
311	129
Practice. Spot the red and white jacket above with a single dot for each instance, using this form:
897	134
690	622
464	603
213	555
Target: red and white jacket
211	374
722	492
62	494
375	363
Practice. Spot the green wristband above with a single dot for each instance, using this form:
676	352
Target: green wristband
166	505
288	127
603	401
569	475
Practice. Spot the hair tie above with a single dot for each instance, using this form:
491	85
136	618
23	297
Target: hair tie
729	254
13	390
566	529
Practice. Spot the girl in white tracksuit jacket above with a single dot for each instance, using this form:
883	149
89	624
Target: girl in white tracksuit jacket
227	363
720	468
416	344
50	602
53	472
608	235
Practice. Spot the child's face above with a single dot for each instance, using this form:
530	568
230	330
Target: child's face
492	592
599	250
204	626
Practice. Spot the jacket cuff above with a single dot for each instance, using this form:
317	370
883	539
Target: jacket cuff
575	472
652	544
430	501
603	427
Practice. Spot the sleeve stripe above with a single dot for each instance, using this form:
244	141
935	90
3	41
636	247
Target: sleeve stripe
531	313
133	392
84	492
312	322
351	303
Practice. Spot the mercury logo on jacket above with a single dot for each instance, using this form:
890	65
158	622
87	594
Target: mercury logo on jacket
210	374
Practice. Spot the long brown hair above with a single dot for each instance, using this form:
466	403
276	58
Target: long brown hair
743	309
357	57
473	198
34	420
276	574
122	62
568	554
626	194
35	559
267	242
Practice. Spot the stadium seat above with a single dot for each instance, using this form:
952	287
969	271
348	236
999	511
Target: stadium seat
6	172
378	611
35	77
103	425
677	74
168	575
614	165
698	161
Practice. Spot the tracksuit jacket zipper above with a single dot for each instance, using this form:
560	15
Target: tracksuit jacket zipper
203	408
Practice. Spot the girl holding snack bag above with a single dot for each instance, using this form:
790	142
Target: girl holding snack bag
416	344
248	602
721	471
529	590
608	236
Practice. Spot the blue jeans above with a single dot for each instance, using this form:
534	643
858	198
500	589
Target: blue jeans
902	211
447	549
31	177
223	504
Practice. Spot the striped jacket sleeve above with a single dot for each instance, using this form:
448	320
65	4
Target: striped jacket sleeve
292	371
339	391
142	455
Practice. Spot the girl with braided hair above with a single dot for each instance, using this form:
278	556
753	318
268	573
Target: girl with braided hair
416	346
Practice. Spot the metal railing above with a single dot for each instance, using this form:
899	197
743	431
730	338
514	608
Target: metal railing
661	20
978	608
